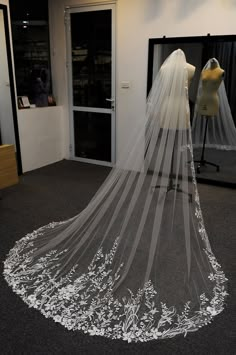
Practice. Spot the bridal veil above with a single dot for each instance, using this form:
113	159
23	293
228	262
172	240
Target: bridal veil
221	131
136	263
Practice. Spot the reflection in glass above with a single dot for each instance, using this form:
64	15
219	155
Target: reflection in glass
30	34
91	58
198	51
92	133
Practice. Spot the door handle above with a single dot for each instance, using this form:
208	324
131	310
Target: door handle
112	101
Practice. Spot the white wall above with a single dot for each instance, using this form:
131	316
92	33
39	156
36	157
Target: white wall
137	21
41	136
4	2
41	130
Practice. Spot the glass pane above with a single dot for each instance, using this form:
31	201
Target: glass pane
92	135
91	58
30	33
7	132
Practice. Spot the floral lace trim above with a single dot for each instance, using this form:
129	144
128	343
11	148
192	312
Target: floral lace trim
87	302
216	146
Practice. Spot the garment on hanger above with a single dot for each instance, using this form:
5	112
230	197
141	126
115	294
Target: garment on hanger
221	130
136	263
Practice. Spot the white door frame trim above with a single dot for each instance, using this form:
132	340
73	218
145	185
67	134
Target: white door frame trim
86	8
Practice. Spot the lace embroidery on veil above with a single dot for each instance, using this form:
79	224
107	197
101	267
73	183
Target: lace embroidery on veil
136	264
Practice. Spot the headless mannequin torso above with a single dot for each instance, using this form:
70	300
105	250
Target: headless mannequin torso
208	102
183	120
176	123
191	70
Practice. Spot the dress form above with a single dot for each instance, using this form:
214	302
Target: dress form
182	123
221	130
208	102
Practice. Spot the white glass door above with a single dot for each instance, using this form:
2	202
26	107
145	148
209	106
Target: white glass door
91	67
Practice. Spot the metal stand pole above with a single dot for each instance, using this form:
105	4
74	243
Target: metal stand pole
203	161
171	185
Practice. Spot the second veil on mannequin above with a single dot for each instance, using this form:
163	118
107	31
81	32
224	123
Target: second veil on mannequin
212	102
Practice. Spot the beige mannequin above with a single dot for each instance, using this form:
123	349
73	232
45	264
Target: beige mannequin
208	102
183	120
191	70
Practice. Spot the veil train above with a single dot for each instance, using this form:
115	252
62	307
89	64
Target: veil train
136	263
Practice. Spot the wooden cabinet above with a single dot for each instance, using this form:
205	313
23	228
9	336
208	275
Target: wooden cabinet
8	167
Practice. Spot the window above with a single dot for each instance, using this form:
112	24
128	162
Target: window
30	33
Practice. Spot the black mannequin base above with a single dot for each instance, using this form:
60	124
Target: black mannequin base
172	186
204	162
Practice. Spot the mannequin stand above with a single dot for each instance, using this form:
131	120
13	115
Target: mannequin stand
171	186
203	161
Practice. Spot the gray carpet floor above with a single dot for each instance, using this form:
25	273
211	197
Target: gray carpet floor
225	159
61	190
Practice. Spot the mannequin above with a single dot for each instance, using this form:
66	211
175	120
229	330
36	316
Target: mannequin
208	102
221	130
177	122
182	120
191	70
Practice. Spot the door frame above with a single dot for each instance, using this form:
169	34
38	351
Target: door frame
12	86
87	8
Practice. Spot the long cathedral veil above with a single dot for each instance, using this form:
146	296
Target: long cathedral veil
221	131
136	263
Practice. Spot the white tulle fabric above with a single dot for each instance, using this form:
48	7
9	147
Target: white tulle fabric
136	263
221	130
